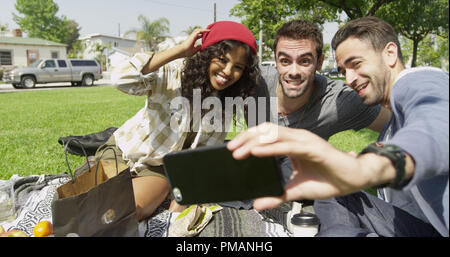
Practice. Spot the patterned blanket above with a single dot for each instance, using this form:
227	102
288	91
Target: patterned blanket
231	222
34	196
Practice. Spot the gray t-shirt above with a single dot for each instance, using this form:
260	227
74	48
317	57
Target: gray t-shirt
332	108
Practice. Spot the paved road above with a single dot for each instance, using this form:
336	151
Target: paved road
8	88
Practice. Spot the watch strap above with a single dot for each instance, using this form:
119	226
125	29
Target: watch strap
397	157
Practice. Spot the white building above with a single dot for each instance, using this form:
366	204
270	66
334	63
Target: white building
17	51
329	61
91	41
118	54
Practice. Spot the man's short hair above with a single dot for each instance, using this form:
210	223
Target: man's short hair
300	29
371	29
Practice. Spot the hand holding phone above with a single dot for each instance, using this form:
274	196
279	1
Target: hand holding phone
210	174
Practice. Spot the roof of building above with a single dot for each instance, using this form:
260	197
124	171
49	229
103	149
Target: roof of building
94	35
28	41
130	51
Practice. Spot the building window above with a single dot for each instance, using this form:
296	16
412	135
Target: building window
55	55
5	57
116	44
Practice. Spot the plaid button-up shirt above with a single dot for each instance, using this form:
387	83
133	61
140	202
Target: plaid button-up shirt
148	136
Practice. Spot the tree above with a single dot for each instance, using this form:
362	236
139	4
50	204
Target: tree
99	50
412	18
356	8
73	33
415	19
39	20
152	33
431	51
3	27
191	29
77	50
252	11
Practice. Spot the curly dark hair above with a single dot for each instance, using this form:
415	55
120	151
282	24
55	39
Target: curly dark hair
195	74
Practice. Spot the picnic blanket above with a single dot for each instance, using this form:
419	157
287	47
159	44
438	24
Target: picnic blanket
34	195
232	222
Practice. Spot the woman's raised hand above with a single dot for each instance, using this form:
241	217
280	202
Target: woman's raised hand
186	49
189	46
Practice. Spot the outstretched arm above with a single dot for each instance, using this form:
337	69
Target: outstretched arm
127	75
185	49
320	171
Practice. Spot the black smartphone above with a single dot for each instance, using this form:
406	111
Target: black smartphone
210	174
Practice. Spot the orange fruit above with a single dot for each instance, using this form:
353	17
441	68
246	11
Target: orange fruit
43	228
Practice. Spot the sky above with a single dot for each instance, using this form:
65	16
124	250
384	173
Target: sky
104	16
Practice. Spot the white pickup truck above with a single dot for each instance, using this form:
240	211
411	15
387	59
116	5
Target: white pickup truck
76	71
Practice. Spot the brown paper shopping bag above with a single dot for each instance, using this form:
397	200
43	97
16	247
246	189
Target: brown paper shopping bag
99	202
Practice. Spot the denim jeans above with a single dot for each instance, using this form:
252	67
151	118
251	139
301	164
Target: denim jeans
364	215
285	167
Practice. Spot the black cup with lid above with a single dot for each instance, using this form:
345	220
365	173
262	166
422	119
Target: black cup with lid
305	219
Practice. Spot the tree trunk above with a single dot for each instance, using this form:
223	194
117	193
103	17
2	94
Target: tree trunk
414	55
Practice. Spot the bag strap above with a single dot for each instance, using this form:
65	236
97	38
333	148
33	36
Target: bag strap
67	160
98	161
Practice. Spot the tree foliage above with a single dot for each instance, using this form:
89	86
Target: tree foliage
433	50
99	50
356	8
274	13
72	35
191	29
39	19
414	19
77	50
151	32
3	27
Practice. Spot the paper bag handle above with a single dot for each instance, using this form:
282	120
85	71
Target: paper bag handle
67	160
98	161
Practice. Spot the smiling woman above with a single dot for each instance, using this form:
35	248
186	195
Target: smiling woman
224	65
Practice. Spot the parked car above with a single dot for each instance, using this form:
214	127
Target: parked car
268	63
330	72
76	71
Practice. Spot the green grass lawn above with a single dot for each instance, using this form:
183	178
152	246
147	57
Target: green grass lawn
32	121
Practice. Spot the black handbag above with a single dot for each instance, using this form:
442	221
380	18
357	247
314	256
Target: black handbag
88	143
96	203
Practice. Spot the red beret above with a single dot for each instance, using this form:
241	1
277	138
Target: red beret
222	30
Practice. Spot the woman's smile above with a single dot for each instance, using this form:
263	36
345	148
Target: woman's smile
226	70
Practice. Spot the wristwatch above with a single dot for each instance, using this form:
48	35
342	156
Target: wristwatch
397	157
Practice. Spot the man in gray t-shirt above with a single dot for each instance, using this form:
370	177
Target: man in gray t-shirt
305	99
